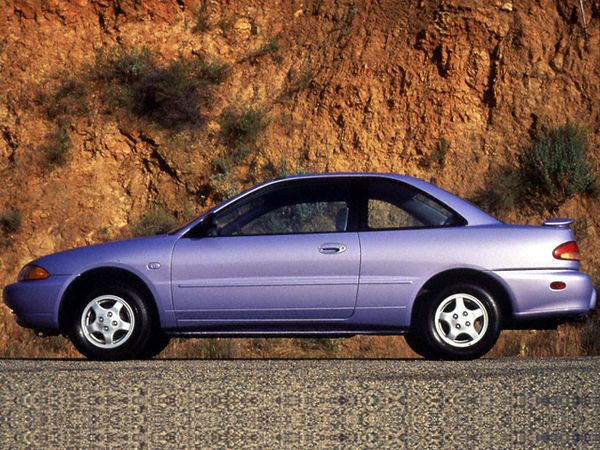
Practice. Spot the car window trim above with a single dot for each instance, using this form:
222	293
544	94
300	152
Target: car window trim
364	207
350	197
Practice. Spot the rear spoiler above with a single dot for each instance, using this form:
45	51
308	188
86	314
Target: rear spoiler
561	223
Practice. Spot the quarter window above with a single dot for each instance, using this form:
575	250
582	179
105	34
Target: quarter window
393	205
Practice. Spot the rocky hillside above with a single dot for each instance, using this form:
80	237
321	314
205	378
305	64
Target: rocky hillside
116	115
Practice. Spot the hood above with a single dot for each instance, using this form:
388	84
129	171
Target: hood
133	252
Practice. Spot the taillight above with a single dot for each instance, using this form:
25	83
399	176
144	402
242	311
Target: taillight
568	251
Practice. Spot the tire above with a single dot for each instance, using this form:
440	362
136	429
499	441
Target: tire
156	344
416	343
460	322
111	323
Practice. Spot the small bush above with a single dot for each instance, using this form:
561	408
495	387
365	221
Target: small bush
271	46
170	95
556	163
69	97
282	169
241	126
299	80
581	229
502	192
226	24
10	221
201	19
57	149
441	149
123	66
239	131
223	186
155	221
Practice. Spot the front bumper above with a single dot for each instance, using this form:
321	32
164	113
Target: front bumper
36	303
534	300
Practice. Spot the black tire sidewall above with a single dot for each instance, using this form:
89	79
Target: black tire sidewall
155	345
139	338
447	351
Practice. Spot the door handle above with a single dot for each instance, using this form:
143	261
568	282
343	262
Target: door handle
332	248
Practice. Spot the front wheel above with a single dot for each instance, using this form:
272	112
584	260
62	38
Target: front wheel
111	323
460	322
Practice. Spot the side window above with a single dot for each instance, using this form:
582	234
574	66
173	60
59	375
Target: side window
384	215
393	205
314	217
313	207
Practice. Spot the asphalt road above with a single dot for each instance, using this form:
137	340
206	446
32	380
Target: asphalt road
504	403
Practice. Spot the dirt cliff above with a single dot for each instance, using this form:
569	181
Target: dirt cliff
103	116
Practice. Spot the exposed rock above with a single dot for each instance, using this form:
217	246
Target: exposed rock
344	85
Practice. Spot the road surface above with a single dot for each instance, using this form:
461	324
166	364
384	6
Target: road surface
329	404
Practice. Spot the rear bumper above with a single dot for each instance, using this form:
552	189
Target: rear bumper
35	303
533	301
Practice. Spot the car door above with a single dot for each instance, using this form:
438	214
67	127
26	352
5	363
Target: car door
397	223
286	253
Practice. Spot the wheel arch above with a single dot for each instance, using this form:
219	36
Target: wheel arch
463	275
97	277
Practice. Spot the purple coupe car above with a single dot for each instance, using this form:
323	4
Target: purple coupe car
315	256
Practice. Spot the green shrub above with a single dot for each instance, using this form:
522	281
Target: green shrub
157	220
201	18
501	193
170	96
57	149
67	98
283	168
226	24
581	229
224	186
122	66
441	149
271	46
10	221
556	164
241	126
303	80
239	131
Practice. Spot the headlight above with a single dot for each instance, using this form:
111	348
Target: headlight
31	272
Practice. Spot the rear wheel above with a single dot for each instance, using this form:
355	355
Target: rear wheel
111	323
462	321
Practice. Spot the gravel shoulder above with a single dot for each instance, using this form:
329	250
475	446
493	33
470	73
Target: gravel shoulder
488	403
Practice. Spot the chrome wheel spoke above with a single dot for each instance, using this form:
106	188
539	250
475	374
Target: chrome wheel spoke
108	337
459	306
446	317
116	309
94	327
472	332
98	310
453	333
476	313
125	326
